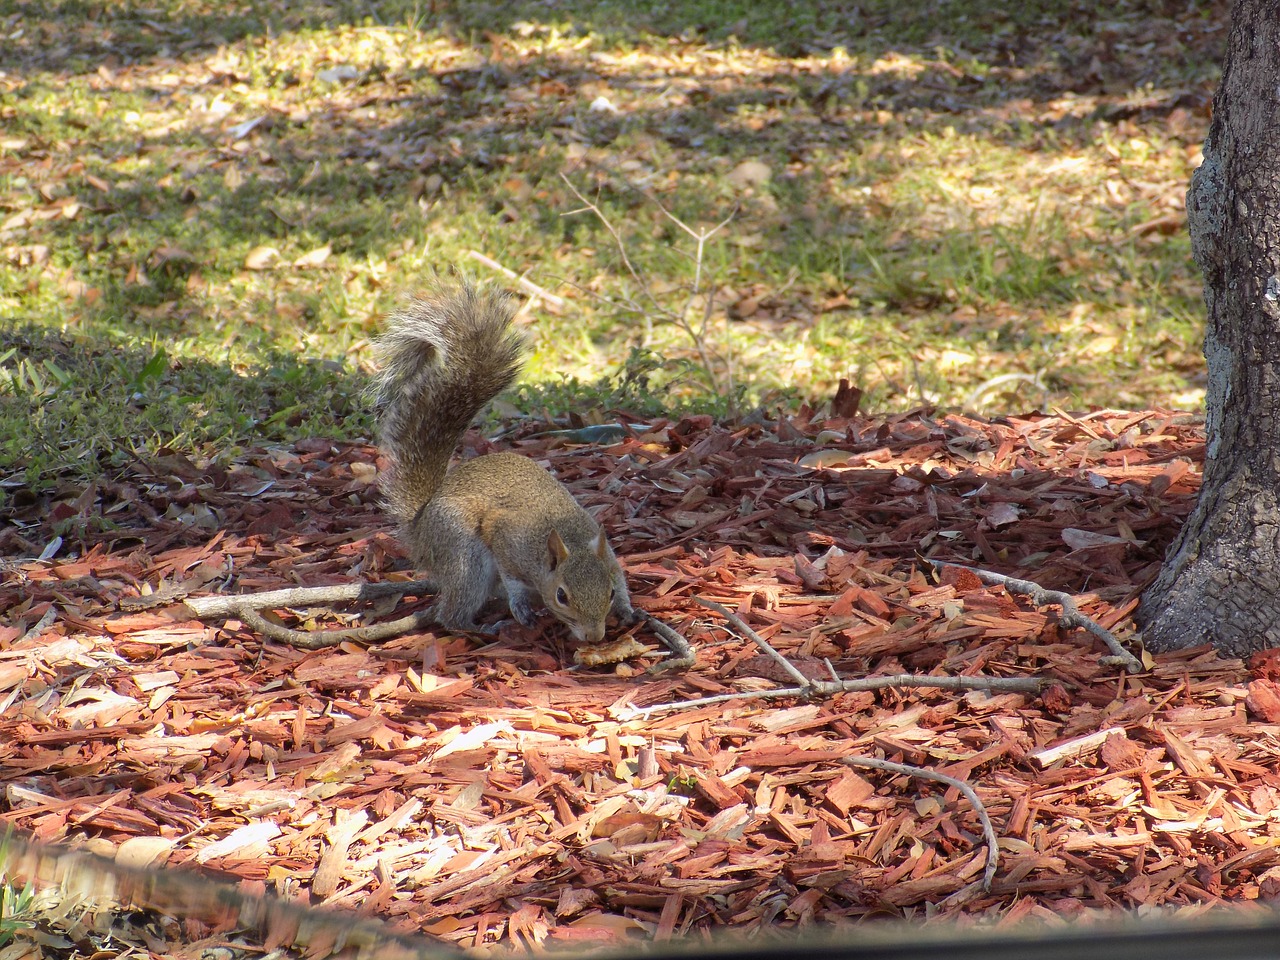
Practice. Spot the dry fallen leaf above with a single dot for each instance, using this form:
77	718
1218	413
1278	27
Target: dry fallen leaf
313	258
749	173
1084	539
261	258
601	654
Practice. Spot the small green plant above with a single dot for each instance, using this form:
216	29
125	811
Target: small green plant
29	377
153	369
685	785
17	902
16	914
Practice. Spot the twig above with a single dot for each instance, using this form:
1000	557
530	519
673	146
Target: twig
827	688
319	639
40	626
807	688
248	607
227	606
988	832
618	242
1071	615
972	402
1073	748
525	284
760	642
678	645
679	318
700	237
699	336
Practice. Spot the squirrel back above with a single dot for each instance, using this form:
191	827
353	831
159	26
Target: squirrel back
445	356
495	517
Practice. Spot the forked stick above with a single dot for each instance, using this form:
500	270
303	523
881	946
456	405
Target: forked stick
1071	615
807	689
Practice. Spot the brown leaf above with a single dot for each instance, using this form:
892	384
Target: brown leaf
313	258
261	258
846	401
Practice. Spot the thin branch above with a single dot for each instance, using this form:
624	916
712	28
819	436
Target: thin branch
699	336
828	688
759	641
700	237
988	831
230	605
40	626
683	652
972	403
806	688
679	318
320	639
1071	615
525	284
1047	756
248	607
618	242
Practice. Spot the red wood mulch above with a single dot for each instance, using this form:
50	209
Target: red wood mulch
485	792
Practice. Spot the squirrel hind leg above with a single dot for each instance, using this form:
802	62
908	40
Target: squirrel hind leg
465	587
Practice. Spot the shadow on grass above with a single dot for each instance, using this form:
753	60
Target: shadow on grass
76	35
353	180
102	405
356	181
403	167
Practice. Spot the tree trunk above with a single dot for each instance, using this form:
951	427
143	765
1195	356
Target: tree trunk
1221	580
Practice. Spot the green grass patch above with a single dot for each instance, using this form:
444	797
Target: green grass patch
206	210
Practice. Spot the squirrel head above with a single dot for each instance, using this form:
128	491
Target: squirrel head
580	586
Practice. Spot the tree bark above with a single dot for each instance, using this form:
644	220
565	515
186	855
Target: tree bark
1221	580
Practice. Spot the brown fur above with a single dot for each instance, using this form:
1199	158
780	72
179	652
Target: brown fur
445	356
499	516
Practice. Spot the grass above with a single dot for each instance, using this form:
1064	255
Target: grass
15	911
17	902
937	200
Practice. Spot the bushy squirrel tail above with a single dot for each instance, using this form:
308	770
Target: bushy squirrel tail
444	356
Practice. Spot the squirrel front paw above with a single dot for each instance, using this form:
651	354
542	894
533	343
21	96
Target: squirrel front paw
523	611
629	616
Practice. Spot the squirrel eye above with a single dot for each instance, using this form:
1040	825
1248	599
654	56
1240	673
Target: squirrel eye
562	597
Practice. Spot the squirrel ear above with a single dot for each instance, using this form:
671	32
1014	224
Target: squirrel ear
559	552
601	545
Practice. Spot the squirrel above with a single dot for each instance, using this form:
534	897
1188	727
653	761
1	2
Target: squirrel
499	516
